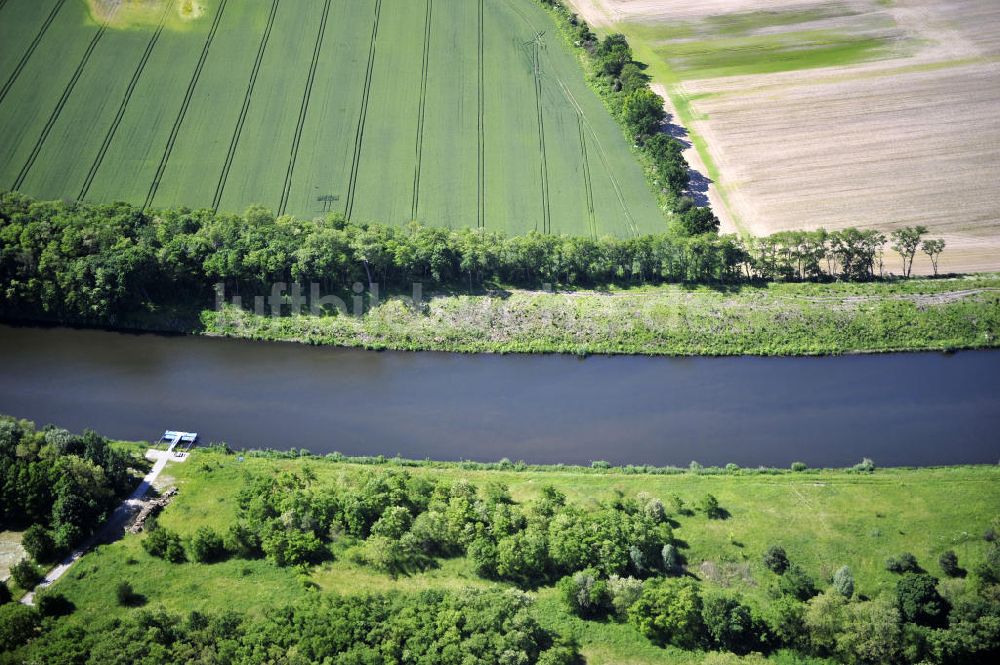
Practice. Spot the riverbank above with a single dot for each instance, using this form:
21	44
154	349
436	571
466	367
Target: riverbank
780	319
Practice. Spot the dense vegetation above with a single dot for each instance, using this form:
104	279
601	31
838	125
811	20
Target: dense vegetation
99	263
431	627
58	485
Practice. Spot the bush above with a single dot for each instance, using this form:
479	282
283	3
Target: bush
799	466
843	582
55	605
671	560
164	544
949	564
243	542
864	466
25	574
776	560
125	594
394	522
669	612
904	563
797	583
710	506
207	546
38	542
18	624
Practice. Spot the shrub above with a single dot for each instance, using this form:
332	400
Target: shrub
799	466
904	563
55	605
483	554
125	594
776	560
989	570
787	622
25	574
243	542
669	612
207	546
710	506
949	564
843	582
164	544
797	583
38	542
600	464
864	466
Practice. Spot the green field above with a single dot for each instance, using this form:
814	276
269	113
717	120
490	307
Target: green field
455	113
824	519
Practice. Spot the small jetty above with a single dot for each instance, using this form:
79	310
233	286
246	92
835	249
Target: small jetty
178	443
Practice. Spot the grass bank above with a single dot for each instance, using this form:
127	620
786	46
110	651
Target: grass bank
823	518
777	319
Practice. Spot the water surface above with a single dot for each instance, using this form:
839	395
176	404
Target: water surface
900	409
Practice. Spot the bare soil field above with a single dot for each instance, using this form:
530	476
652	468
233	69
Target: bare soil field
817	113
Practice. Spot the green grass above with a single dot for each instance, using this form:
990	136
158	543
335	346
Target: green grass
765	54
386	137
824	519
778	319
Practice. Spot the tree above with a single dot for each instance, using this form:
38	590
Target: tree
5	595
824	617
871	633
949	564
54	605
18	624
905	242
671	560
207	546
697	221
933	249
25	574
125	594
669	612
919	601
613	54
395	521
623	592
776	560
39	543
643	113
843	582
585	593
731	625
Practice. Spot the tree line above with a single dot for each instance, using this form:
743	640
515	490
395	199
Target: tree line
98	263
59	486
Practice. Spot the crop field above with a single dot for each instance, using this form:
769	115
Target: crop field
834	113
456	113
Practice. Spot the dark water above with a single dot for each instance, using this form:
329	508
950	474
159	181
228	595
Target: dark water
906	409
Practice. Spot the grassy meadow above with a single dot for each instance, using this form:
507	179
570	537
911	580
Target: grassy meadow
450	112
824	519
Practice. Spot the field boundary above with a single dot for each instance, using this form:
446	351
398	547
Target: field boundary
30	50
112	130
60	105
359	135
238	131
175	130
419	150
304	109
